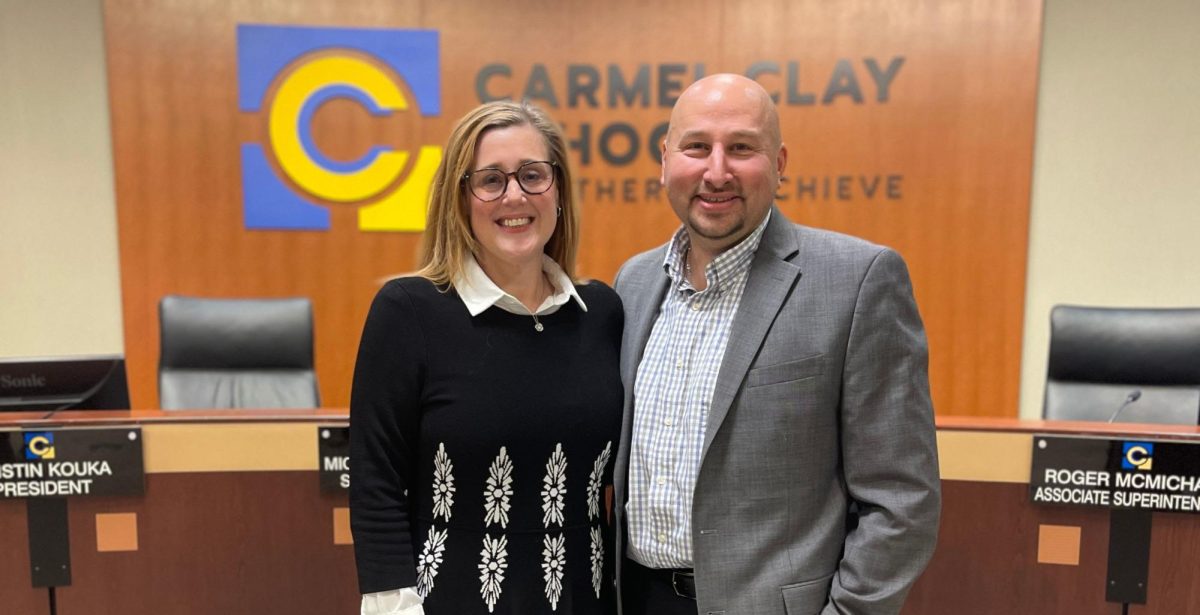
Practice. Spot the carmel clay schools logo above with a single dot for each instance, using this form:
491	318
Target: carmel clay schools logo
39	445
1137	456
286	73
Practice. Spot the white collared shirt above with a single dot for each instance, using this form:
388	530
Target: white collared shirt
478	292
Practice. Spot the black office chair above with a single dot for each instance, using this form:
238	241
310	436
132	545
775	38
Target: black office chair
236	353
1147	360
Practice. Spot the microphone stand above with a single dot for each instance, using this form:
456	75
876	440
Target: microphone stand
1133	396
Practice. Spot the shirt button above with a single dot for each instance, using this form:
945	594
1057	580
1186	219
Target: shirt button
662	480
679	364
695	306
667	422
662	537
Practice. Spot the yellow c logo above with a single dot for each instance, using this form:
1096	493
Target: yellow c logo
290	100
41	447
1139	457
403	209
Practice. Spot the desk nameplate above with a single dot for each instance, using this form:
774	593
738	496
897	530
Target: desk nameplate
1125	474
67	462
333	458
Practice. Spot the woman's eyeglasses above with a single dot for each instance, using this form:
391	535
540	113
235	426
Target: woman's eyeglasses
490	184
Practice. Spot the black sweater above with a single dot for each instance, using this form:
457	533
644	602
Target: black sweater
442	403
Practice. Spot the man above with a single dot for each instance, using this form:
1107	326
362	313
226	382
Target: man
778	452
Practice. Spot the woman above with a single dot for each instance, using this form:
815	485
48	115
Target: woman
487	400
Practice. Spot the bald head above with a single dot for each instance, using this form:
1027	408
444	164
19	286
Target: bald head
722	161
728	93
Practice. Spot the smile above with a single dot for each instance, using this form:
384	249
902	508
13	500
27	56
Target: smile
514	222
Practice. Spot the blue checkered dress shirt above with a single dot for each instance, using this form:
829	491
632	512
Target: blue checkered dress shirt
672	393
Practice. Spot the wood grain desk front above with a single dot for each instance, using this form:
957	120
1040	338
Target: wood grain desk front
1000	554
232	521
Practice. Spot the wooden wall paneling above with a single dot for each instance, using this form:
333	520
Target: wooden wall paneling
177	134
957	126
581	35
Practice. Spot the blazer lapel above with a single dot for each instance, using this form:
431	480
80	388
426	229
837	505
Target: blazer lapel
641	310
772	277
649	283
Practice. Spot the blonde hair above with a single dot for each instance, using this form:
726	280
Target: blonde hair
448	238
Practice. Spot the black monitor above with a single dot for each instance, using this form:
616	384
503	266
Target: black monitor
85	382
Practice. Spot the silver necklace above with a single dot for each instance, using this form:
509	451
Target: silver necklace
537	325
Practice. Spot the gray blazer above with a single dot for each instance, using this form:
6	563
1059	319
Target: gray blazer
822	400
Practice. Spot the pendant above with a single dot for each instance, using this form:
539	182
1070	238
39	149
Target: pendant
537	326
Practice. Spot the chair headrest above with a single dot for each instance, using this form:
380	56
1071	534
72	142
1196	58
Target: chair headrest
1125	345
235	333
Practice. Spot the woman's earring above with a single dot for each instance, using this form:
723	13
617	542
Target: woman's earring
559	212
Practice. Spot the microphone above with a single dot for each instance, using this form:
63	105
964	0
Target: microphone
1133	396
